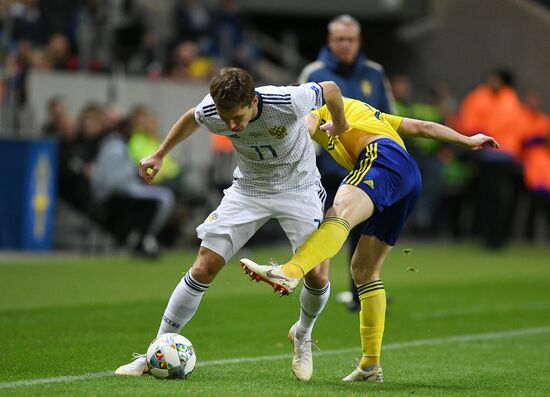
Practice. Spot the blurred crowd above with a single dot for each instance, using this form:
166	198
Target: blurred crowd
99	153
174	39
493	194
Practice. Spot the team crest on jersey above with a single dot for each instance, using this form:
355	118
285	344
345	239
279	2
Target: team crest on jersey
213	217
278	132
366	87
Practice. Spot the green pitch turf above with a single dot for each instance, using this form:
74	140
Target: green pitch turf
461	322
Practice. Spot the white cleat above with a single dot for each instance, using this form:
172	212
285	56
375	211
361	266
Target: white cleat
137	367
302	362
373	373
271	274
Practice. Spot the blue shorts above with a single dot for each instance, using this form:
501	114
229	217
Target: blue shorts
391	178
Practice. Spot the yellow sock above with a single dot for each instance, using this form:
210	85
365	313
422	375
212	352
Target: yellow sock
372	319
323	243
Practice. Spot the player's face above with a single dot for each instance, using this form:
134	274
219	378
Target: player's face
237	118
344	41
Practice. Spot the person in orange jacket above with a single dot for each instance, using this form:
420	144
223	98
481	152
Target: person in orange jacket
536	144
494	108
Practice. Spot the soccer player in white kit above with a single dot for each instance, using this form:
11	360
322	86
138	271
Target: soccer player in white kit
276	177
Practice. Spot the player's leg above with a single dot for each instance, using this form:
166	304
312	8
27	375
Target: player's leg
380	234
223	233
351	207
187	295
313	298
366	266
183	303
299	220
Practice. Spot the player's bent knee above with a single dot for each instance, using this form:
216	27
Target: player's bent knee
207	265
318	277
362	275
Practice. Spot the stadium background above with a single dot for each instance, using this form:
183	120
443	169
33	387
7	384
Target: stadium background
463	319
124	53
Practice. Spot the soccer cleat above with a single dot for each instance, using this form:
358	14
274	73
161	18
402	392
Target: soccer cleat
271	274
302	362
137	367
373	373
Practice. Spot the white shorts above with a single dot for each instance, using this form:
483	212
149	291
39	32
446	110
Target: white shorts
238	218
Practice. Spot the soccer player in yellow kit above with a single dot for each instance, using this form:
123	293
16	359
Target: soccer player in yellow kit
382	187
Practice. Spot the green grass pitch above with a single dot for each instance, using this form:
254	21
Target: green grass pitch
461	322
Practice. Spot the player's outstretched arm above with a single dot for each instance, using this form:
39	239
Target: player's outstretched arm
335	106
183	128
430	129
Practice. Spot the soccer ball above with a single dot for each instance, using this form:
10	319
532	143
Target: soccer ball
171	356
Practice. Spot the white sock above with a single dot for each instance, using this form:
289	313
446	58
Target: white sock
182	305
312	303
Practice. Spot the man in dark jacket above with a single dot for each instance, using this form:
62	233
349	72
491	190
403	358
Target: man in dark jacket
358	78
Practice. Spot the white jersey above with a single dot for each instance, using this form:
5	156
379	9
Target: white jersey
274	152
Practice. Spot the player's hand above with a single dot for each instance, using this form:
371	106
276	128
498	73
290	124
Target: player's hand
335	129
482	141
149	167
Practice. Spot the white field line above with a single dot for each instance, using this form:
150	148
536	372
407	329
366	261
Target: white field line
541	305
391	346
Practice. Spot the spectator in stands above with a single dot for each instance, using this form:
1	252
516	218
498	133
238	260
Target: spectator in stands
26	20
447	103
89	31
57	118
56	15
536	144
59	53
115	180
144	139
194	21
73	178
425	152
359	78
39	60
187	64
128	29
229	24
494	108
536	160
157	19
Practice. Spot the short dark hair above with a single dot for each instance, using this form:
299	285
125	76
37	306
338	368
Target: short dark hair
232	87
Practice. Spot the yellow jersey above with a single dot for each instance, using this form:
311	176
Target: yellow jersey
363	120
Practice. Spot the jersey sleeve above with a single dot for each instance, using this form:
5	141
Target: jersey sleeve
200	109
395	121
307	97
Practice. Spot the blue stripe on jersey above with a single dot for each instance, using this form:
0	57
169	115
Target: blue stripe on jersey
209	106
276	95
210	113
276	101
260	106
